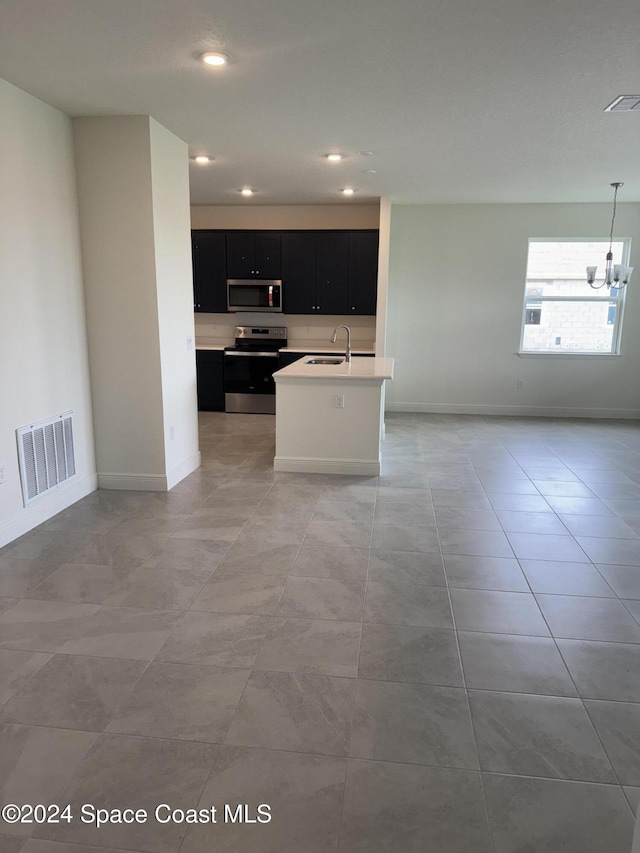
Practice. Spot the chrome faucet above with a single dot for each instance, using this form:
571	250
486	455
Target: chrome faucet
347	354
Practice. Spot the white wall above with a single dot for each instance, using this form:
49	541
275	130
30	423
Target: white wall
456	287
116	215
43	351
383	276
282	216
133	192
172	241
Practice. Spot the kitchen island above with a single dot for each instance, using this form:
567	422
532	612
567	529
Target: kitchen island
330	416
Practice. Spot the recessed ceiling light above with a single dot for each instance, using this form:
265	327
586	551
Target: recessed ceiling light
347	191
365	153
203	159
368	171
334	157
214	58
246	191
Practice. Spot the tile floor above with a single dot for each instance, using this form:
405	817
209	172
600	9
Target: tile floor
445	658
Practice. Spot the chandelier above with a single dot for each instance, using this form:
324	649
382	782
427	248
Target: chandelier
615	275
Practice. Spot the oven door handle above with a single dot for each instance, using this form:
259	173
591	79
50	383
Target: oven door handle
252	354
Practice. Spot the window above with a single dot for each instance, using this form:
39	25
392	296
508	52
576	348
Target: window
562	312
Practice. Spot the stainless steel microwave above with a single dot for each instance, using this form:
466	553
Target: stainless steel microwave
254	295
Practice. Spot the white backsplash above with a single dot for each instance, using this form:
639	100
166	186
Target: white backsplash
303	330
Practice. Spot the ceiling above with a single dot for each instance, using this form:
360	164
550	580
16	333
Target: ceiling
460	100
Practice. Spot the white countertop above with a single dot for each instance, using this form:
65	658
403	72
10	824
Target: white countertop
337	349
373	369
217	347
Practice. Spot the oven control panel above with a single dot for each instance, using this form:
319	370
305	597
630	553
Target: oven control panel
271	333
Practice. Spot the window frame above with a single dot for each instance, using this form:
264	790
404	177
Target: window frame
616	340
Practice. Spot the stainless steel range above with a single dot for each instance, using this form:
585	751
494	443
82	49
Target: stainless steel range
249	366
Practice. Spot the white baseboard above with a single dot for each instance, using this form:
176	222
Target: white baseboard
183	470
517	411
133	482
48	506
365	467
150	482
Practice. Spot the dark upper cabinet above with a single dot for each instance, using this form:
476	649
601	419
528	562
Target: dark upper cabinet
209	271
241	255
332	273
299	273
254	255
363	272
268	256
323	272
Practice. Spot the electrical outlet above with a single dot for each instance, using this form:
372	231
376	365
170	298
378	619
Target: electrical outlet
307	329
189	343
339	401
172	432
520	383
3	473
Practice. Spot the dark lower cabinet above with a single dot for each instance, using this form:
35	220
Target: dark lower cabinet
210	377
209	272
287	358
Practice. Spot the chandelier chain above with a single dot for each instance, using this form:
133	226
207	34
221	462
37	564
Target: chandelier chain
613	218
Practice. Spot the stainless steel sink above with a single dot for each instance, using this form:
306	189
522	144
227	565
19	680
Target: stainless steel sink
324	361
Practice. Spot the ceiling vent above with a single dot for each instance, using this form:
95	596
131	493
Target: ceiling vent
46	454
624	104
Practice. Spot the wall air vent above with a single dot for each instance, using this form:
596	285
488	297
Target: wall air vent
46	455
624	104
